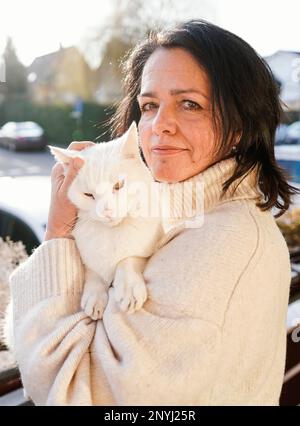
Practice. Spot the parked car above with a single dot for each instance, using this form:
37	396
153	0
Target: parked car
293	133
24	135
280	135
24	204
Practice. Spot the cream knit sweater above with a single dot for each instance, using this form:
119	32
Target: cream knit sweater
212	332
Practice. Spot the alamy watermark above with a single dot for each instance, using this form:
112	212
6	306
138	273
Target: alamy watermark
296	70
296	331
2	70
182	202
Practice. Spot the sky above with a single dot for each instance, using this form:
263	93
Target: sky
39	26
267	25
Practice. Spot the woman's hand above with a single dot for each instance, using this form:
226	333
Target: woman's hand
62	213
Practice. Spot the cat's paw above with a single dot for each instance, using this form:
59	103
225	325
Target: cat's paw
130	292
94	302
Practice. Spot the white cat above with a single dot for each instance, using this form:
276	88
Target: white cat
113	239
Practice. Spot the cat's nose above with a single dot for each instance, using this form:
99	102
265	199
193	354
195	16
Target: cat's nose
108	212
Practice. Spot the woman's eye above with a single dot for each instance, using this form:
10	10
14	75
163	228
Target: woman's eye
118	185
191	105
148	106
87	194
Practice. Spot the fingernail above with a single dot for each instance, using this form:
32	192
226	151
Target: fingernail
78	163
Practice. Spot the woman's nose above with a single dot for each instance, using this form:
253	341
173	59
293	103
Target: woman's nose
164	122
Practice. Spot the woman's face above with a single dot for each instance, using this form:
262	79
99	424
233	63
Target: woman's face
175	129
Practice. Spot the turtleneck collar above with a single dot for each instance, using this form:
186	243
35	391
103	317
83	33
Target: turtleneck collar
205	190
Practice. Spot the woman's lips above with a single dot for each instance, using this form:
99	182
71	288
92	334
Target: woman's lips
167	151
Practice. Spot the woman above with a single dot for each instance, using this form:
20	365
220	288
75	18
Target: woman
212	331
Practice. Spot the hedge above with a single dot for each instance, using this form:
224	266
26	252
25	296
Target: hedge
57	121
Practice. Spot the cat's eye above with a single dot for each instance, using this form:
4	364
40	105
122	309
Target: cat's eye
87	194
118	185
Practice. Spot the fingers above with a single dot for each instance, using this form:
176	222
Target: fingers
57	176
57	170
78	146
61	179
73	168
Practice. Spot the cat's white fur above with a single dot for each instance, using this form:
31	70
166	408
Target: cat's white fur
113	248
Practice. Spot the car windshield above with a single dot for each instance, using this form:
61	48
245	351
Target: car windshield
295	126
27	126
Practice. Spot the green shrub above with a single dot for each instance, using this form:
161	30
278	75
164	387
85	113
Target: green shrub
60	126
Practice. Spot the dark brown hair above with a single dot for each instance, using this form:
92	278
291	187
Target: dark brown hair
244	97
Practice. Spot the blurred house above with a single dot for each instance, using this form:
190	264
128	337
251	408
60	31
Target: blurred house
108	76
60	77
108	87
285	66
64	76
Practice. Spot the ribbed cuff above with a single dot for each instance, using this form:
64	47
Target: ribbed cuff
54	268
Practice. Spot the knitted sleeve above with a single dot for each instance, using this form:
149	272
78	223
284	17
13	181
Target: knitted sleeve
65	358
171	352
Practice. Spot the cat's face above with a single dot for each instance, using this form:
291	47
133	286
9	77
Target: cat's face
109	185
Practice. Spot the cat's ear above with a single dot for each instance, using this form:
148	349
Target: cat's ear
64	155
130	147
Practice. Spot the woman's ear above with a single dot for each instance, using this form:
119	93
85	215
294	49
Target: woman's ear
63	155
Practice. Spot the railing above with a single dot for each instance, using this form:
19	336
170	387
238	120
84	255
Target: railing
295	284
11	389
290	394
9	381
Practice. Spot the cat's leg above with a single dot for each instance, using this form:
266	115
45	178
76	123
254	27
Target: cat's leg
129	284
94	297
